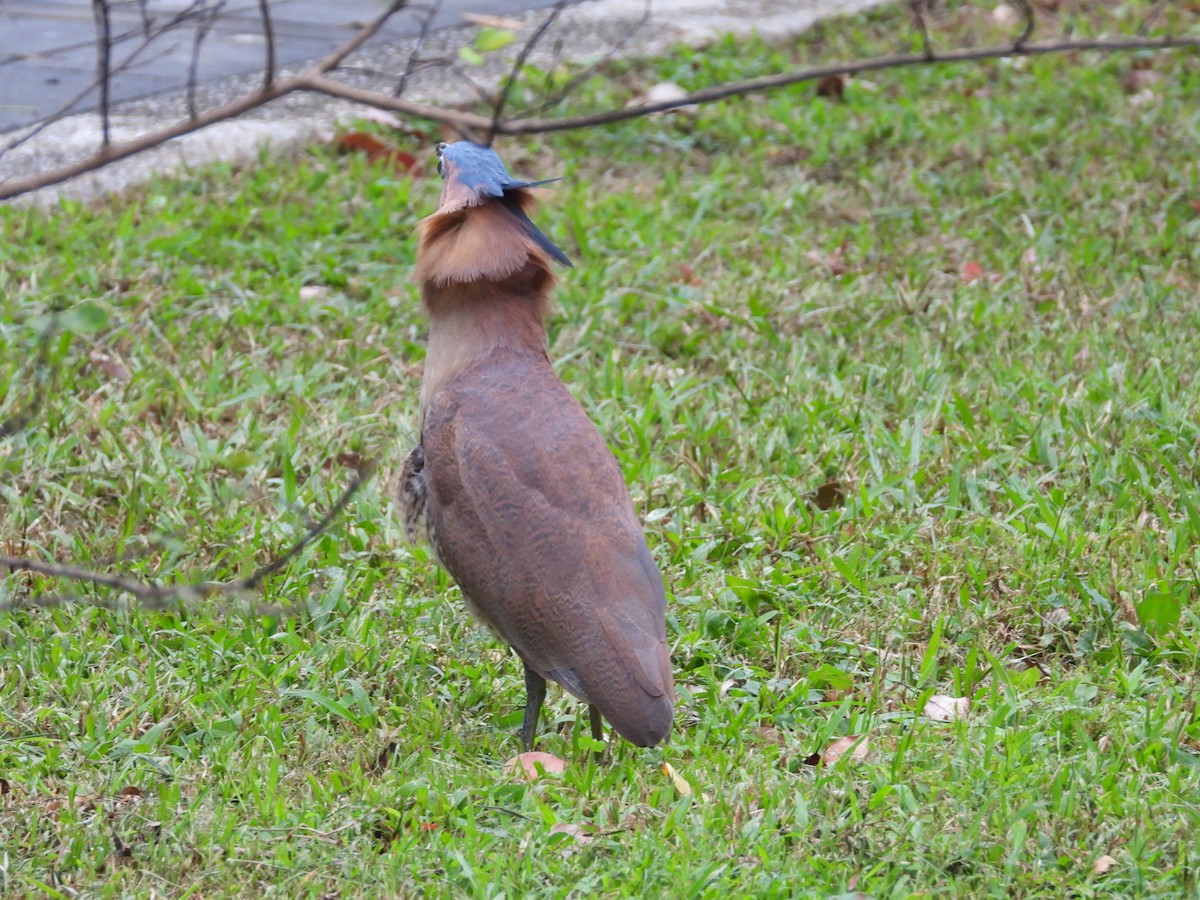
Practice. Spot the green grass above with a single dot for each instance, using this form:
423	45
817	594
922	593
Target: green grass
1015	456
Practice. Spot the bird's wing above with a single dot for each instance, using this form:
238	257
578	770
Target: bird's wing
532	517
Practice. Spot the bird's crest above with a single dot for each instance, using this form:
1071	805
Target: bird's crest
482	230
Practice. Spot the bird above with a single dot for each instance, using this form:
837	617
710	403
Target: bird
510	483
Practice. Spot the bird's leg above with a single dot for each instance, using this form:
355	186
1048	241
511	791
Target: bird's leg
535	693
597	724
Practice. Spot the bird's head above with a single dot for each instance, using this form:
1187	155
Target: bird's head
473	175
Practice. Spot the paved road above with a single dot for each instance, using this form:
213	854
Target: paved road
48	47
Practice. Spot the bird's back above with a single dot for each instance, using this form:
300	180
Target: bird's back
529	512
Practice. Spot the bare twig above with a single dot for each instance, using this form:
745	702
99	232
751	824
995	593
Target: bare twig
103	61
558	95
1149	21
783	79
20	420
203	27
134	57
1030	22
534	39
427	14
918	12
264	11
155	596
316	79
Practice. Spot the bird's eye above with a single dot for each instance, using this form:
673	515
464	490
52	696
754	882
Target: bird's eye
441	147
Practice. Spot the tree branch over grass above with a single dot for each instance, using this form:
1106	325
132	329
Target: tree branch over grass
156	596
321	78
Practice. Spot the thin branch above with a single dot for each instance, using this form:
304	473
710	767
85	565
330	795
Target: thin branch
918	11
1030	23
202	30
156	596
518	64
1157	11
578	78
127	63
103	62
20	420
368	31
317	80
361	477
783	79
427	16
264	10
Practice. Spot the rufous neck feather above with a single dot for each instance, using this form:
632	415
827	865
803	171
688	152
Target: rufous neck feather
485	284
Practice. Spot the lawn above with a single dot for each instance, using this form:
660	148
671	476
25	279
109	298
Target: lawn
904	386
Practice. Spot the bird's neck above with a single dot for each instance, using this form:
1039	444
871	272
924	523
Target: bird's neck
471	323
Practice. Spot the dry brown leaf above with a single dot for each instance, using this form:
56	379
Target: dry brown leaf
1138	80
829	495
942	708
832	87
855	746
1103	864
111	366
526	765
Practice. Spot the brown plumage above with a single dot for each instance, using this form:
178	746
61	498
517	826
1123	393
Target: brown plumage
511	483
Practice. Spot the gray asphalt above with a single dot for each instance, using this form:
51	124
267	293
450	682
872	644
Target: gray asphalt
48	52
48	60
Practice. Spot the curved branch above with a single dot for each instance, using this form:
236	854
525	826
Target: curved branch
156	596
317	80
784	79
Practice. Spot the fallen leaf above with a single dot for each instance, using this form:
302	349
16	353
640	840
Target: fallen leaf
527	765
1005	15
829	495
856	746
832	87
1138	80
971	271
942	708
5	787
483	20
1056	617
687	275
663	92
1103	864
678	780
312	292
110	366
131	790
361	142
377	150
